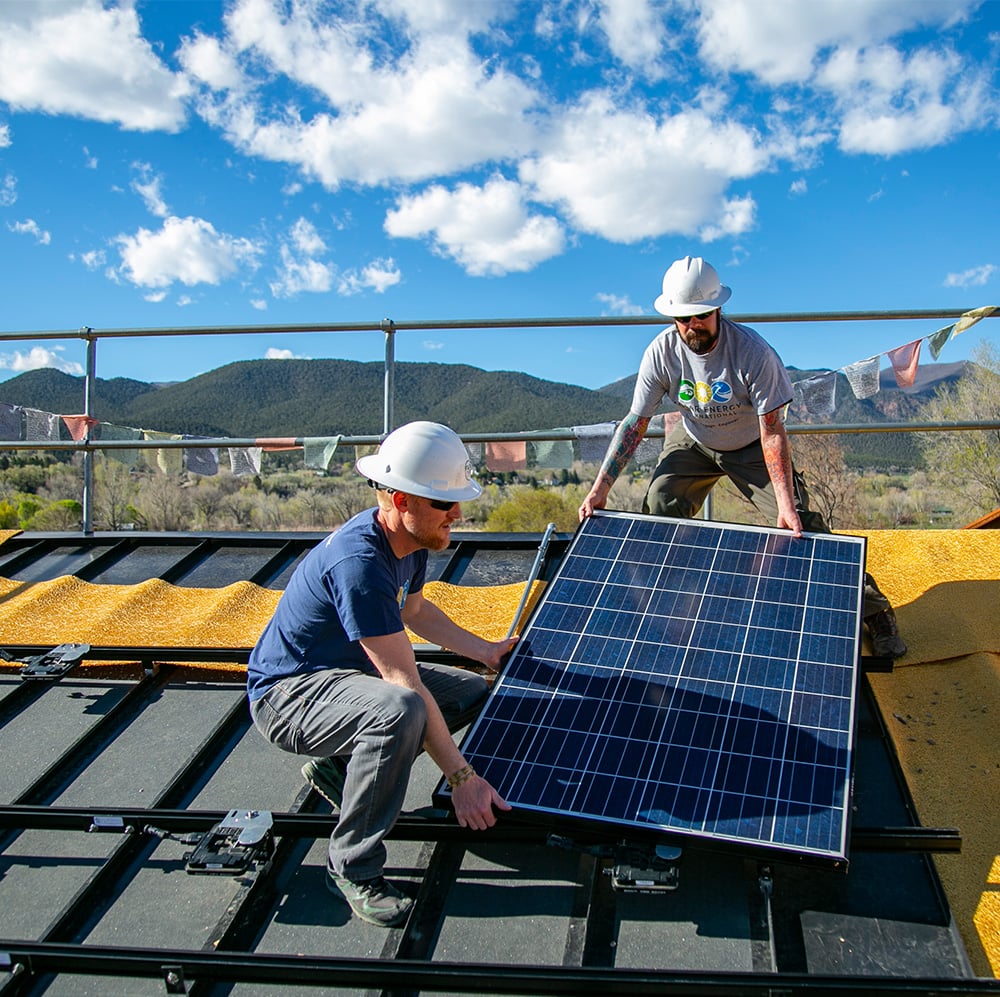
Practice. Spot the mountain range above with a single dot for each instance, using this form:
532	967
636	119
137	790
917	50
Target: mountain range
326	397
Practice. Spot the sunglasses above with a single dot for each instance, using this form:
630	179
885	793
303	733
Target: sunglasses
688	319
440	504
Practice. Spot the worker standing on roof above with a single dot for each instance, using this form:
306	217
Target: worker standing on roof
334	674
731	388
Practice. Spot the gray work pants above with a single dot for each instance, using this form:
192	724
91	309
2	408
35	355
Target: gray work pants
378	728
687	472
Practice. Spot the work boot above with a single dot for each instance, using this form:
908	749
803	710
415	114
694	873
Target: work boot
376	900
327	777
886	642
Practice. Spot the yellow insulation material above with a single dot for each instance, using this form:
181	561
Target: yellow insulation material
157	614
944	586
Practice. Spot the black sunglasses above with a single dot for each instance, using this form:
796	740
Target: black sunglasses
440	504
687	319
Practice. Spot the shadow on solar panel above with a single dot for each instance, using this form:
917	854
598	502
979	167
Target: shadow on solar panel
687	677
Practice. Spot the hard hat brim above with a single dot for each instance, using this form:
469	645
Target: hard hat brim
373	468
679	309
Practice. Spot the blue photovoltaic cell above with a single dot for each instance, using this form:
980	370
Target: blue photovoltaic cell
690	676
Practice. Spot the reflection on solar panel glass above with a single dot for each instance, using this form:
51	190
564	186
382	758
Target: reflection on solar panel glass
688	676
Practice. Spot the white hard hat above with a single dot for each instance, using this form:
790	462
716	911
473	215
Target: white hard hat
691	286
425	459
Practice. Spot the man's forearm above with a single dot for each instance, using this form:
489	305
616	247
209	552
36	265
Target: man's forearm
624	444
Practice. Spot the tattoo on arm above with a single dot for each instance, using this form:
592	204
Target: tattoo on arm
777	452
626	440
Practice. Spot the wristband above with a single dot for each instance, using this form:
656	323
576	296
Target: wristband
464	774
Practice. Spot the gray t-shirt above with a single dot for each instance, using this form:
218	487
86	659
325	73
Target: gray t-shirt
721	394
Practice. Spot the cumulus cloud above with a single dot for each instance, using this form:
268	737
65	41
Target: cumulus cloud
147	185
379	276
782	41
208	62
276	353
8	191
488	230
975	277
38	357
431	110
54	58
626	175
30	227
617	304
188	250
300	271
634	31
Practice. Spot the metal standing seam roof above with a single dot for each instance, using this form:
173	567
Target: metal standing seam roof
127	748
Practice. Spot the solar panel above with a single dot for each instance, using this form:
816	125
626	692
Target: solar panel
686	676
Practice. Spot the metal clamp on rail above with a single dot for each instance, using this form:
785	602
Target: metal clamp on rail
54	664
241	840
640	869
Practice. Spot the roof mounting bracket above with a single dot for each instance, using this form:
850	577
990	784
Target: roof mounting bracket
641	869
173	979
54	664
241	840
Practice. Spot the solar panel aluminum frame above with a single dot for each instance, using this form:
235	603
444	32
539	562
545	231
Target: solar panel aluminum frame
766	558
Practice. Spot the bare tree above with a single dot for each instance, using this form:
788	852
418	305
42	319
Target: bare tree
832	487
971	457
114	492
162	503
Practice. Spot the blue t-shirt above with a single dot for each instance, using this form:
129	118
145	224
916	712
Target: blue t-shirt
350	586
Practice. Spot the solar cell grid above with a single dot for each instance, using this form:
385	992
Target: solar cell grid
692	677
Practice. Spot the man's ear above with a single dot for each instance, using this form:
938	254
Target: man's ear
401	501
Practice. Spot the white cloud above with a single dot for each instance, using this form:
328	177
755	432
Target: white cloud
306	239
147	186
300	270
57	59
781	41
5	139
8	191
379	275
634	30
92	259
430	110
89	161
276	353
30	227
488	230
208	62
626	176
189	250
616	304
798	187
736	216
432	344
259	304
37	357
976	277
298	274
890	102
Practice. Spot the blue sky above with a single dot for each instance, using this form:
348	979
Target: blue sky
257	162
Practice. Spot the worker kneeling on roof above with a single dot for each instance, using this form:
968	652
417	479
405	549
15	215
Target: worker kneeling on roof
334	675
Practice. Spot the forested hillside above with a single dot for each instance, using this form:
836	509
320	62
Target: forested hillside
320	397
326	397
